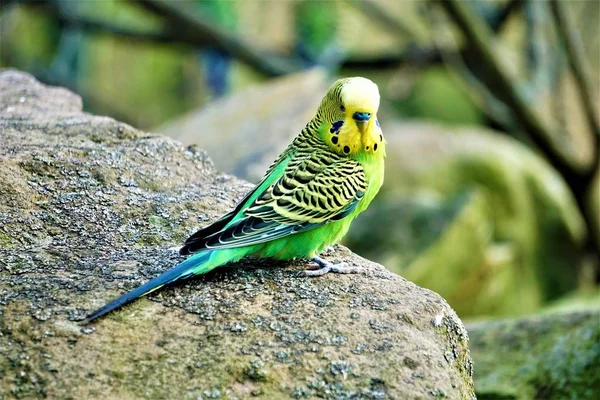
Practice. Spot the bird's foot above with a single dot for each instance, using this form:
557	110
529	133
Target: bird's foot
321	267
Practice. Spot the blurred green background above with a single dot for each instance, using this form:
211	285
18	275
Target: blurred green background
489	108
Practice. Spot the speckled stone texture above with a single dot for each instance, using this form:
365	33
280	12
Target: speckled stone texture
91	207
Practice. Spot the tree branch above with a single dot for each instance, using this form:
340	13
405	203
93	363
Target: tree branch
533	37
187	27
578	177
479	37
413	54
160	36
473	87
372	10
497	20
577	61
375	12
197	29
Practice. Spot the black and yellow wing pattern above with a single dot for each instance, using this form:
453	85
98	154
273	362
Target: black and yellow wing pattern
315	188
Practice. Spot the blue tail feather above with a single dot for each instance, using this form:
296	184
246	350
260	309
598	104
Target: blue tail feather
195	265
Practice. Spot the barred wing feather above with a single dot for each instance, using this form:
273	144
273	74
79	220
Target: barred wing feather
312	192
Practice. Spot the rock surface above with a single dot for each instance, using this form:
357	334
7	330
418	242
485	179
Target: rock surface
90	207
554	356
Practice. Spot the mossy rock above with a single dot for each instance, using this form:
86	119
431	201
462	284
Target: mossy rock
552	356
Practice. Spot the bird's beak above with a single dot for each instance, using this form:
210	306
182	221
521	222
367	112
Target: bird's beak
362	120
362	126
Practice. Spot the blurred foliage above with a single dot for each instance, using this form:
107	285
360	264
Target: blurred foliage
436	96
217	64
29	39
316	28
475	217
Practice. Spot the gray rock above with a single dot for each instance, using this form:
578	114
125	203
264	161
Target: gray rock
90	207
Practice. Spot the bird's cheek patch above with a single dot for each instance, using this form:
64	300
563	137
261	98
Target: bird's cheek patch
372	141
334	131
335	127
344	139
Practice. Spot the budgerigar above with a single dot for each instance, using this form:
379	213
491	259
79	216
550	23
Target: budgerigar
306	200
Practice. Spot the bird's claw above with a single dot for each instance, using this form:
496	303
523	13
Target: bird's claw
311	266
327	266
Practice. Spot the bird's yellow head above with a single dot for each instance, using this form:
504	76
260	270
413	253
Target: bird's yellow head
348	117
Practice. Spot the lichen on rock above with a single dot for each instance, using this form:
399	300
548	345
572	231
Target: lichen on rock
91	207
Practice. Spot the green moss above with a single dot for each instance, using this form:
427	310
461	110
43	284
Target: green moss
40	167
104	176
570	369
159	222
153	185
255	371
555	356
7	240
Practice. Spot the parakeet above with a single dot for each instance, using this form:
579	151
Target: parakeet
306	200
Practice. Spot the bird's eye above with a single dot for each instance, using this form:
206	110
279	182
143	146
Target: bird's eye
342	108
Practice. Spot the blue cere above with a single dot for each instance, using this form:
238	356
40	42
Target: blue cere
361	116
